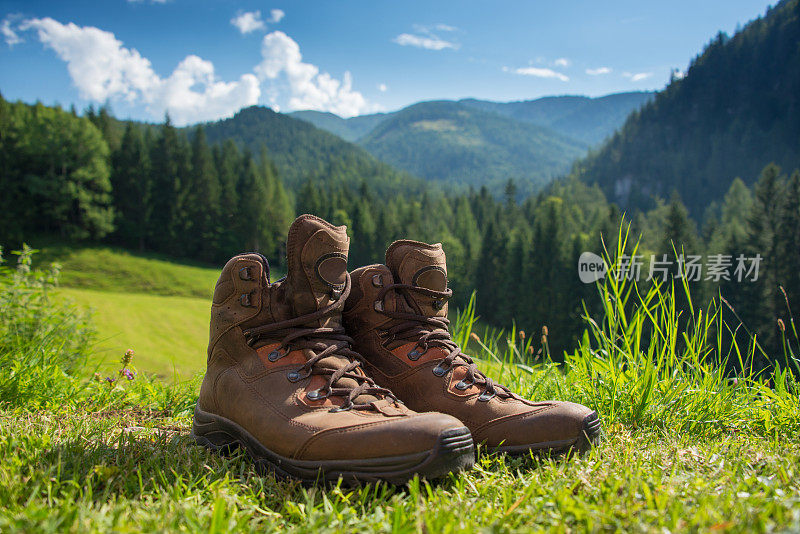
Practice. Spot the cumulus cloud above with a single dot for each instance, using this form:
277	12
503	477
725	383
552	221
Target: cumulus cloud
275	16
637	76
538	72
598	71
9	33
562	62
382	87
308	87
102	69
248	22
442	27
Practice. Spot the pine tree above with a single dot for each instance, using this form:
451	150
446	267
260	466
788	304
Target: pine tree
202	200
167	200
253	218
132	188
228	162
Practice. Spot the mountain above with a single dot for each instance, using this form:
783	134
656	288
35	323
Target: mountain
586	119
736	110
351	129
589	120
300	151
456	144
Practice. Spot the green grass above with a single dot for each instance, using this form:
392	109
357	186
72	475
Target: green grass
120	271
169	334
687	447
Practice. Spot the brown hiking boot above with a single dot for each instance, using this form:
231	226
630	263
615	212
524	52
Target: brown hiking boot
283	382
397	315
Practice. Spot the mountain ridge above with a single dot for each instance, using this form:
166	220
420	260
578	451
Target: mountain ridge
712	125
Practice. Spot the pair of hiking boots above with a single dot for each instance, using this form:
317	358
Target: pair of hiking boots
326	374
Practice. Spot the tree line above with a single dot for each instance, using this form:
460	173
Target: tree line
155	188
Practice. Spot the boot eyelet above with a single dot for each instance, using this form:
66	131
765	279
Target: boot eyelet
377	280
274	356
437	304
293	376
414	355
486	398
317	394
246	301
336	294
378	305
463	385
244	273
439	370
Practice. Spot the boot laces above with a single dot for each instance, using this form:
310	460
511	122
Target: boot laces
434	332
322	342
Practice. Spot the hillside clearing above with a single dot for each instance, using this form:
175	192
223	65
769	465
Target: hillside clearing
169	334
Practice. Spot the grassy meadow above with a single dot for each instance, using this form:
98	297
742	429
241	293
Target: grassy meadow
687	448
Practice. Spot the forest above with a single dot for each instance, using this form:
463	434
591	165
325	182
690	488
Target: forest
158	188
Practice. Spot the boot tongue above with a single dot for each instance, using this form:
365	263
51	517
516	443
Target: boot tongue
317	270
317	266
421	265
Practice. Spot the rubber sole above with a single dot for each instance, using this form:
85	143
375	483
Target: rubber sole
592	430
454	451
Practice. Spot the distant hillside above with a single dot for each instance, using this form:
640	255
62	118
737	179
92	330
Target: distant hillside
737	109
460	145
586	119
301	151
351	129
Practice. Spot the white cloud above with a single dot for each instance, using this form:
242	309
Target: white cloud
151	1
637	76
382	87
442	27
308	87
248	22
421	41
538	72
275	16
9	33
598	71
102	69
562	62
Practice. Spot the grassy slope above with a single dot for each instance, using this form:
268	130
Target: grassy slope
159	308
169	334
111	269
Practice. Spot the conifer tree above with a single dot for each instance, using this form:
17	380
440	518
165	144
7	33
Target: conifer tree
132	188
202	199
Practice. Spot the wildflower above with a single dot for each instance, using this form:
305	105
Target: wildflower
544	339
110	380
522	335
130	375
97	377
127	358
544	330
530	349
781	326
475	337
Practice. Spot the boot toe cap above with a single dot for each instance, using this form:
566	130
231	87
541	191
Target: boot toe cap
396	436
553	425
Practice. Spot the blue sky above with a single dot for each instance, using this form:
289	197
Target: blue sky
204	59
